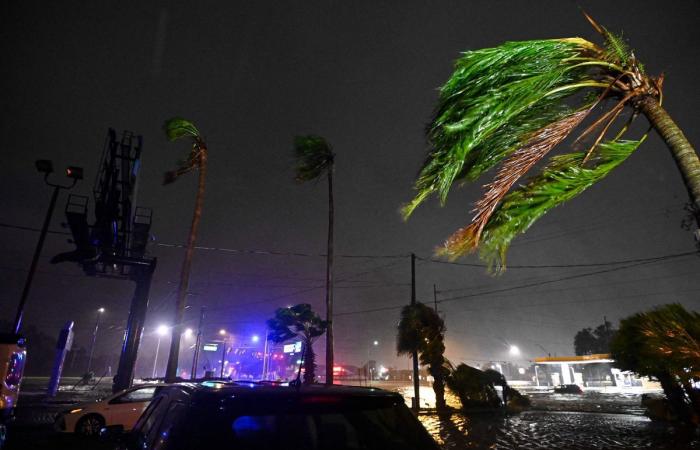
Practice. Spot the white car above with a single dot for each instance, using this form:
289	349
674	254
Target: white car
123	408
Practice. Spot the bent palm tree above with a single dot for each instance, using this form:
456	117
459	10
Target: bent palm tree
422	330
177	128
298	321
514	103
314	158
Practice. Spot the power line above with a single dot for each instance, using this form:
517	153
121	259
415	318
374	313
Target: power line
566	266
507	289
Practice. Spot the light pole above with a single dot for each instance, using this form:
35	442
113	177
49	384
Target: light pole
266	358
46	167
94	338
161	331
375	343
222	333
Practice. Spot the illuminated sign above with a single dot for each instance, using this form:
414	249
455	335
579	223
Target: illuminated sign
210	347
292	348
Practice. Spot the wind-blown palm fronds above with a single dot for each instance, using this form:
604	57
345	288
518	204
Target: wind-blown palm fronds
513	104
562	179
178	128
314	156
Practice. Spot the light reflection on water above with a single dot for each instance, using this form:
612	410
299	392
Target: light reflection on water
555	429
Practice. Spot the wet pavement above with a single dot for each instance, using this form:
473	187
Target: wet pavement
556	430
555	421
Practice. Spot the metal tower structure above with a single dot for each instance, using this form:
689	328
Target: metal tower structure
115	244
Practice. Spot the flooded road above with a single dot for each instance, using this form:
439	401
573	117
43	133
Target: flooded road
555	430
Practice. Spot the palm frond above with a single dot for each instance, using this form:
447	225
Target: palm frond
561	180
516	166
177	127
492	104
314	155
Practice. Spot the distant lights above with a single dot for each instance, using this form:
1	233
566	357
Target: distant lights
255	338
162	330
101	310
188	332
222	332
514	350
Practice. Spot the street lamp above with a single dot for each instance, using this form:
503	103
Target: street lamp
44	166
100	311
222	332
188	333
161	331
514	350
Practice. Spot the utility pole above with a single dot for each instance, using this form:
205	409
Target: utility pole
197	345
416	380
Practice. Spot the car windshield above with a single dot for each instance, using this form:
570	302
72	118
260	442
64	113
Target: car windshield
319	424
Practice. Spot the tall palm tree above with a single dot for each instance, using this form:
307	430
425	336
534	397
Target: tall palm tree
422	330
314	158
298	321
177	128
516	102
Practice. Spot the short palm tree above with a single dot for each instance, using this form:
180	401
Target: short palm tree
314	159
299	321
178	128
422	330
512	104
664	343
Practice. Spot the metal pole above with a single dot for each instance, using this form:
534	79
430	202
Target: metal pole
94	338
134	326
537	377
35	260
265	358
223	357
155	360
416	380
197	345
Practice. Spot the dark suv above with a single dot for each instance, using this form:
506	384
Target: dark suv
252	416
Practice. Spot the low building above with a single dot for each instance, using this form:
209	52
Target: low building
588	371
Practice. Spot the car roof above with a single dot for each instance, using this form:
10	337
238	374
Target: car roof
245	388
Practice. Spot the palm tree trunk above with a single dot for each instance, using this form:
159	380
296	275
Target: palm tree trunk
171	371
329	281
309	362
683	152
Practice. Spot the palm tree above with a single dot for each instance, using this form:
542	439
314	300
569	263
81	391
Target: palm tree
514	103
298	321
314	158
422	330
177	128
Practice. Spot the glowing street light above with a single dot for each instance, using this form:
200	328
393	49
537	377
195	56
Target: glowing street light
188	333
255	338
222	332
162	330
514	350
375	343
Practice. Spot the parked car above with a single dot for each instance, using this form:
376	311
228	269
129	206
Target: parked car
123	408
568	389
257	416
13	355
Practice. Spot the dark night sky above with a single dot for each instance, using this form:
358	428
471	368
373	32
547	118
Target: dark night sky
364	75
